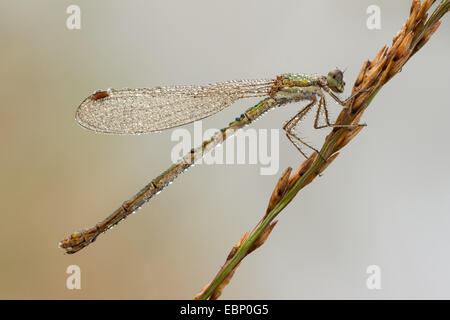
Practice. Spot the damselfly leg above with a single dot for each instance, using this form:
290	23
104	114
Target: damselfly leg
289	126
323	105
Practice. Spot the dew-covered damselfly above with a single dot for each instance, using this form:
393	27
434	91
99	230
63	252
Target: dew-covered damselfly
135	111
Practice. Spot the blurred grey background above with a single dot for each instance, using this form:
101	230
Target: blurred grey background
383	202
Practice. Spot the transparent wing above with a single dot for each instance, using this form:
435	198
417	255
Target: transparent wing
136	111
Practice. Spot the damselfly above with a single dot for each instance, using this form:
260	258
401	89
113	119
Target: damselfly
135	111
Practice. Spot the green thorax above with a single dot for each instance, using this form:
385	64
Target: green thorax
298	80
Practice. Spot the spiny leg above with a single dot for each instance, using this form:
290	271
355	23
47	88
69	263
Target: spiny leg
336	98
288	126
322	104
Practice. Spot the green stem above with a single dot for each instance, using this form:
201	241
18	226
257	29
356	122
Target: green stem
245	246
326	150
243	249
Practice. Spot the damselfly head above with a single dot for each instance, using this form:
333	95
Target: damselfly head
335	79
